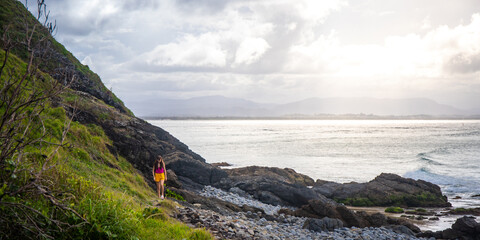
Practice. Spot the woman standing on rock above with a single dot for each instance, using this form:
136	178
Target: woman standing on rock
159	175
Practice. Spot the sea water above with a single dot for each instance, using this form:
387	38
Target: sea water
444	152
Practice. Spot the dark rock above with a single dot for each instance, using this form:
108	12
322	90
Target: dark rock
451	234
429	234
465	225
385	190
324	207
401	229
172	179
463	228
421	212
221	164
270	185
286	175
465	211
324	224
377	220
351	218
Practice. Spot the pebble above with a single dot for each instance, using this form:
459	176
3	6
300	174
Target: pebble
241	226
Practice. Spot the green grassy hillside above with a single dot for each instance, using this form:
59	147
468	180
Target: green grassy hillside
68	183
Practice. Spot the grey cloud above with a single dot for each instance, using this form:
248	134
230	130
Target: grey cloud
462	63
202	6
130	5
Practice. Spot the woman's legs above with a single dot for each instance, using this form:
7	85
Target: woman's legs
158	188
161	187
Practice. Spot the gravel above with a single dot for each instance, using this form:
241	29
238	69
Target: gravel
250	225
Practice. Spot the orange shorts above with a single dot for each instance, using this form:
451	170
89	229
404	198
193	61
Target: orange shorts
159	177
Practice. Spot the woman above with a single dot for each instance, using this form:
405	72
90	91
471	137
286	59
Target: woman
159	175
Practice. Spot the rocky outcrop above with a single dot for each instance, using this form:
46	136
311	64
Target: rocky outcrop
270	185
385	190
324	207
463	228
322	225
465	211
287	175
140	142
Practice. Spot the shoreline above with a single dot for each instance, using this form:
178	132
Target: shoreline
444	221
317	117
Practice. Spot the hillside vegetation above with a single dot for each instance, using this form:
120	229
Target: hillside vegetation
60	177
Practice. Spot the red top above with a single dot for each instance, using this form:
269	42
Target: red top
159	170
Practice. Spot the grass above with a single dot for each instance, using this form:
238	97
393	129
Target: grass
394	210
104	189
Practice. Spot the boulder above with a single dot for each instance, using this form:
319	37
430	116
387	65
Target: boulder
463	228
322	225
430	234
465	225
377	219
270	185
401	229
172	179
385	190
323	207
286	175
451	234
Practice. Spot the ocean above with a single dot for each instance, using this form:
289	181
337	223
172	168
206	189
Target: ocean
444	152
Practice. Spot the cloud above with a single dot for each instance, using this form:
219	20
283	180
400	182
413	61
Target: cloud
274	49
190	51
462	63
250	50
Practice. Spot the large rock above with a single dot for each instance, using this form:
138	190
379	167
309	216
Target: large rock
322	225
466	225
270	185
385	190
287	175
172	179
401	229
324	207
464	228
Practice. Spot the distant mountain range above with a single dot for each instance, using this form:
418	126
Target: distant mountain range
219	106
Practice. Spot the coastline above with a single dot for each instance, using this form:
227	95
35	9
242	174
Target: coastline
321	117
438	221
269	184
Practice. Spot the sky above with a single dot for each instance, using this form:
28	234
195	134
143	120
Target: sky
277	51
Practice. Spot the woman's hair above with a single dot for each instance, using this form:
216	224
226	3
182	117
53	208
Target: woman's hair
158	161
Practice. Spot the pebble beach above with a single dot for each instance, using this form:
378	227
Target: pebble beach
250	225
